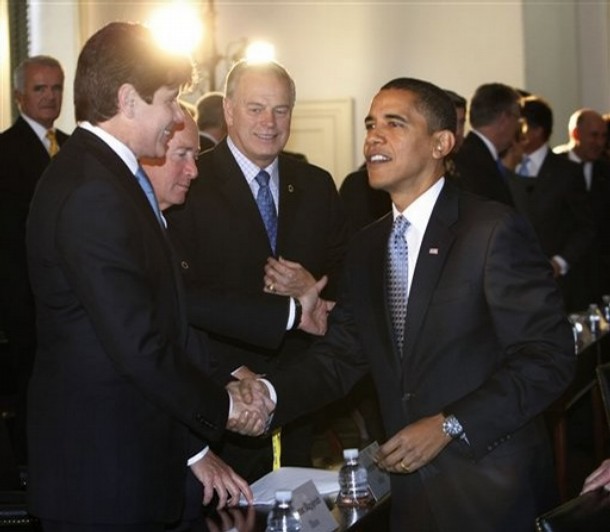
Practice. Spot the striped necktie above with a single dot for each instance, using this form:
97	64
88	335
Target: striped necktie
266	206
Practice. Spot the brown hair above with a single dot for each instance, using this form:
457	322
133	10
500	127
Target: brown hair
119	53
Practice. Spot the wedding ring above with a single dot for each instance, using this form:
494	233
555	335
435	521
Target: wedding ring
271	287
404	467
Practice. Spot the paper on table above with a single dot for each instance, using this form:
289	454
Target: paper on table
290	478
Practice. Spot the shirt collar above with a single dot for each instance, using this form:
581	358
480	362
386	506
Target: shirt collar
418	213
39	129
248	168
126	155
488	143
536	159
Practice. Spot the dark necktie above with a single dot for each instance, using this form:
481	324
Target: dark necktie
397	274
266	206
146	186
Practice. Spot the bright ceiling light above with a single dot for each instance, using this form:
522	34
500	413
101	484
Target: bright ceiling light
177	27
260	52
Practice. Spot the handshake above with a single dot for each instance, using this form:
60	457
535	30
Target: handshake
251	404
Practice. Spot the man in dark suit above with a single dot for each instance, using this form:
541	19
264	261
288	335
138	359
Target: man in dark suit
494	118
587	131
25	151
118	399
460	323
307	236
550	191
210	120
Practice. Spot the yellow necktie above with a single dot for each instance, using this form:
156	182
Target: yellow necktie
53	145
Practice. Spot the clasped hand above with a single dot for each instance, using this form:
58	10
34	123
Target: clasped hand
251	407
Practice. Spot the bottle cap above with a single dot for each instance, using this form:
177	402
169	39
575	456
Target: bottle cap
350	454
283	495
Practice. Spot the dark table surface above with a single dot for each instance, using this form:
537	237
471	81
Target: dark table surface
254	518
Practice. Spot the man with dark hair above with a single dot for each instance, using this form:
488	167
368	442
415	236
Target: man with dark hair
549	190
119	401
25	151
211	120
494	119
450	304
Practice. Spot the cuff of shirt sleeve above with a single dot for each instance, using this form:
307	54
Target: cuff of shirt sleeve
194	459
563	265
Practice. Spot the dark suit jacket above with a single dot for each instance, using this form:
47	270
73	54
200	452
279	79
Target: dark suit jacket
114	391
226	248
556	204
221	214
485	340
23	158
478	172
592	276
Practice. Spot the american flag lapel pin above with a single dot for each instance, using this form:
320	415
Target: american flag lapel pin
433	251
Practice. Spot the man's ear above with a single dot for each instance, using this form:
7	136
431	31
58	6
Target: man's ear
442	144
127	99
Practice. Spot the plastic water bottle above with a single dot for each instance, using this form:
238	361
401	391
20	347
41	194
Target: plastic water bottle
283	517
595	317
606	307
353	482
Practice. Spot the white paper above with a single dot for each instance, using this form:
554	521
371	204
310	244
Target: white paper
290	478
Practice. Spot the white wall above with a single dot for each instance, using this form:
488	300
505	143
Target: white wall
344	49
54	30
5	75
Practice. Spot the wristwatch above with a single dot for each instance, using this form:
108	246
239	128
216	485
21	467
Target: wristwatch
452	427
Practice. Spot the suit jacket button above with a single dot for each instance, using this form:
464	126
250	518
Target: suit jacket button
184	265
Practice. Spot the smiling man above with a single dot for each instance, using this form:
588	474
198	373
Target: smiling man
450	304
25	151
171	175
251	203
118	390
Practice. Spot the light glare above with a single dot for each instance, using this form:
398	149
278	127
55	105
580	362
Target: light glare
176	27
260	52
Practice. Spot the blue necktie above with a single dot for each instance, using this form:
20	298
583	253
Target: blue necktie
398	278
266	206
146	186
524	167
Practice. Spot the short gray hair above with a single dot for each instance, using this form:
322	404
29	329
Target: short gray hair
266	67
42	60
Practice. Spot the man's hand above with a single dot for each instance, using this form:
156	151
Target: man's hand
315	310
414	446
599	478
287	278
556	268
216	476
251	407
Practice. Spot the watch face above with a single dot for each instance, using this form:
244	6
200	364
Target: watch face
452	426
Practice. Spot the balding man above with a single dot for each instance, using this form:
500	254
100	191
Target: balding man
587	132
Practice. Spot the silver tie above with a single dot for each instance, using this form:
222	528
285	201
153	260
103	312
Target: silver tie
397	275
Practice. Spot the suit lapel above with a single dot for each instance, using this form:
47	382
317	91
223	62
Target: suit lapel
433	253
118	171
375	278
290	197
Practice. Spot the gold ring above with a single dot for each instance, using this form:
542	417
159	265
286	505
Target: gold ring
271	287
404	467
